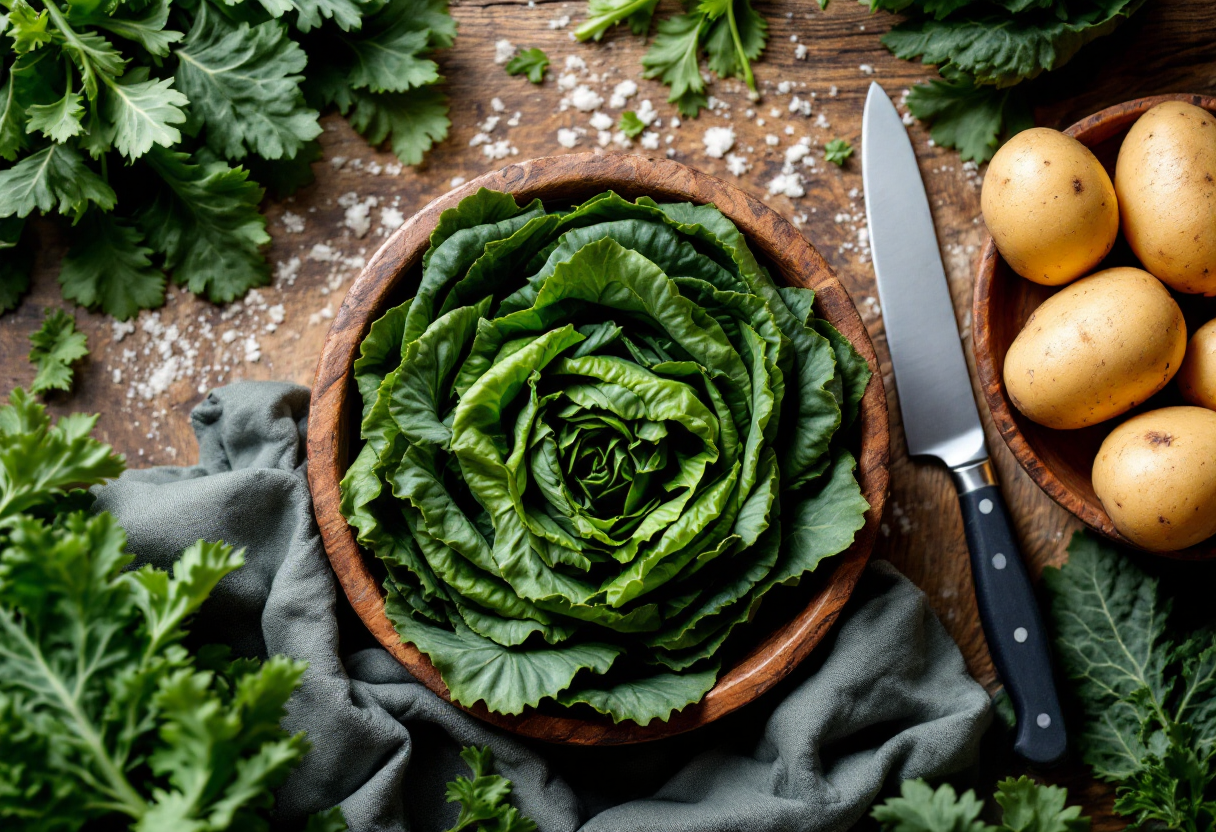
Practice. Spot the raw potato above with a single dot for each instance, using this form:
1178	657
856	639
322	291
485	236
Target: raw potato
1049	206
1156	477
1197	377
1166	182
1096	349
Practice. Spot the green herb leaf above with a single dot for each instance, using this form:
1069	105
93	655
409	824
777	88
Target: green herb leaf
204	220
26	27
243	86
16	261
412	121
331	820
919	808
54	347
41	462
837	151
602	15
143	112
1030	807
1111	639
147	28
672	59
109	268
630	124
59	121
348	14
970	118
55	178
531	62
483	798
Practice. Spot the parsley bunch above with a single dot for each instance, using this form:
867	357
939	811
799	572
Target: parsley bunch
483	798
103	712
1147	692
984	50
730	32
1026	807
145	123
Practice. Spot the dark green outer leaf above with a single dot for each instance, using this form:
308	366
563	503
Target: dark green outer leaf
108	267
1111	639
648	699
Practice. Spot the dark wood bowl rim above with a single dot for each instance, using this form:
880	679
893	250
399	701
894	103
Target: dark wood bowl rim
569	177
1090	131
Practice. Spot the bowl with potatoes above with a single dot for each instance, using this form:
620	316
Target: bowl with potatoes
1094	318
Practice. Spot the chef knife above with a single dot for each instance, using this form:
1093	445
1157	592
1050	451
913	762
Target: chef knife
940	420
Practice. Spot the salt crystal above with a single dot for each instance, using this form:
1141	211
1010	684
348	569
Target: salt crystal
646	114
738	165
800	52
567	137
787	184
292	223
650	140
771	140
503	50
586	99
718	140
497	106
601	121
456	182
560	22
866	69
622	92
391	219
574	62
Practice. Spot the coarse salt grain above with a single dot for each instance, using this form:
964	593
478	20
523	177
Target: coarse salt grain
391	219
292	223
787	184
718	140
586	99
457	181
796	153
503	50
500	149
646	114
576	63
738	165
497	106
601	121
650	140
560	22
866	69
567	137
771	140
800	52
567	81
622	92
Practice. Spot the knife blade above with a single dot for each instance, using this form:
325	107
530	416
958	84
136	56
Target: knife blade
941	421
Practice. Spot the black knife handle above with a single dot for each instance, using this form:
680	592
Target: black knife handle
1012	624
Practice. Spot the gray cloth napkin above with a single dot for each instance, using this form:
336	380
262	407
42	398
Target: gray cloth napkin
886	697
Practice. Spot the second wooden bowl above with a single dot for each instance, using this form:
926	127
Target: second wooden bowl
391	276
1060	461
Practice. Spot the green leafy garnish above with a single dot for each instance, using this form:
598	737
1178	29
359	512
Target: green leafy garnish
1027	806
162	111
104	714
730	33
596	440
837	151
53	349
630	124
1147	694
984	50
531	62
483	798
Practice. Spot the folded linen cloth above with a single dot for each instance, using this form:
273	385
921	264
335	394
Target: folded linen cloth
886	697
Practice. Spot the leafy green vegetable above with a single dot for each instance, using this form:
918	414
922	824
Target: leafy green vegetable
730	33
595	441
983	50
1148	698
837	151
1027	806
147	106
483	799
103	712
54	347
630	124
531	62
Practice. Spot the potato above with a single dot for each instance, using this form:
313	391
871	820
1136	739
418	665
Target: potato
1197	376
1156	477
1049	206
1096	349
1166	182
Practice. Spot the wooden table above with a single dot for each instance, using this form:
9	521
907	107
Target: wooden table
145	398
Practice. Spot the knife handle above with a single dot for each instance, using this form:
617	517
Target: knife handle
1010	615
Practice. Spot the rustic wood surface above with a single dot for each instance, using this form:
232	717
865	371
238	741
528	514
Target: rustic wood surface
1060	461
574	178
1168	47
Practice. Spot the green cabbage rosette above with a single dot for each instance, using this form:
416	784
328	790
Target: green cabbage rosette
594	440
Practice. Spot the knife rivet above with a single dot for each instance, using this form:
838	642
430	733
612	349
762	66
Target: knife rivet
1043	721
1020	635
998	560
986	506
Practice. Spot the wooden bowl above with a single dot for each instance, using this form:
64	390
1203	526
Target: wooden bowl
1060	461
391	277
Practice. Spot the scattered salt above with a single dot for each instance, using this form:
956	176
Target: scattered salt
503	50
586	99
292	223
567	137
718	140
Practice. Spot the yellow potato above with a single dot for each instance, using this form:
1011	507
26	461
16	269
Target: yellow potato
1096	349
1049	206
1197	376
1166	182
1156	477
